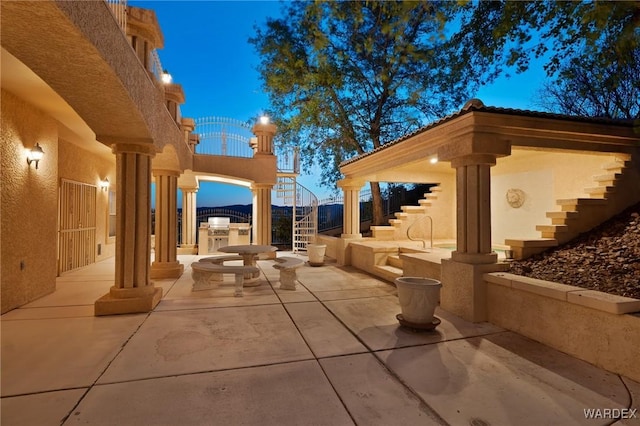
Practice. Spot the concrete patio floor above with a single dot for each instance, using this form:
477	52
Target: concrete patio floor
331	353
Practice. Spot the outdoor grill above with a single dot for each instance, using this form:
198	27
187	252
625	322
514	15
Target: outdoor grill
218	233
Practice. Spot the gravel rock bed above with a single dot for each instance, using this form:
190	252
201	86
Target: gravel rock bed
606	259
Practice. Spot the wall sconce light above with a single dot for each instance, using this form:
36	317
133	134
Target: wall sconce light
104	184
264	119
433	160
166	77
35	154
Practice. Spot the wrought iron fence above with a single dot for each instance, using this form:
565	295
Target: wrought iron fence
330	210
224	136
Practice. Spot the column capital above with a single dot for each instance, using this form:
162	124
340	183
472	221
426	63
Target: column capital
188	124
165	172
134	148
474	160
476	143
352	184
264	129
262	186
188	188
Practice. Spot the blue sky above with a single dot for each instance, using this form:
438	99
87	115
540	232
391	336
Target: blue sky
206	50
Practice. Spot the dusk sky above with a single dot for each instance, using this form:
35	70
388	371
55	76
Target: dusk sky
206	50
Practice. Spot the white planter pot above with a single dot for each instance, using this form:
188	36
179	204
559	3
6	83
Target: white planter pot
316	254
418	298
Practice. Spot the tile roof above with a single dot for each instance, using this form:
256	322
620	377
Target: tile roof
477	105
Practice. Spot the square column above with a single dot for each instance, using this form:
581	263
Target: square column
188	218
351	209
166	263
473	209
132	290
464	291
261	213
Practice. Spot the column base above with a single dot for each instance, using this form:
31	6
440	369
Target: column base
464	292
161	270
343	251
128	301
475	258
188	249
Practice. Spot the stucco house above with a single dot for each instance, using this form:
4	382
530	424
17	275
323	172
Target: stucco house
82	85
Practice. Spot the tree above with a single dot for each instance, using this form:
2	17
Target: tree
578	40
344	77
589	88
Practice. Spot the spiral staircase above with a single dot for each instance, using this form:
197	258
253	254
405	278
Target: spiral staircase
304	206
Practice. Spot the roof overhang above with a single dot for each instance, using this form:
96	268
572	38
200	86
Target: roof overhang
490	131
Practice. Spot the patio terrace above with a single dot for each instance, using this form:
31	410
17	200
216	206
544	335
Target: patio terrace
329	353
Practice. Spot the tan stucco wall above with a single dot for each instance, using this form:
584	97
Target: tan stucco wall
79	165
544	177
29	200
606	340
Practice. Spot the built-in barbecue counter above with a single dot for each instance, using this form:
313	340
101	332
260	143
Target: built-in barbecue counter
220	232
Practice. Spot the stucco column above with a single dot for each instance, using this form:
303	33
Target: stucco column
264	134
464	292
166	263
132	290
261	213
351	209
473	209
189	227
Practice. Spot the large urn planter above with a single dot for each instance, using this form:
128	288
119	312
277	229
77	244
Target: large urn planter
418	300
316	254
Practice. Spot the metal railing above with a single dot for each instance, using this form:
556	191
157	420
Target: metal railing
302	206
119	10
330	211
424	242
224	136
288	160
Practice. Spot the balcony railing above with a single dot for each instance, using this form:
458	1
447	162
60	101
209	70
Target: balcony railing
224	136
288	160
119	10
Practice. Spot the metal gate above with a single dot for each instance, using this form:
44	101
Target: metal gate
77	236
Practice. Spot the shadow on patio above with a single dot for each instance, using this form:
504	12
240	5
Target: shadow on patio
330	352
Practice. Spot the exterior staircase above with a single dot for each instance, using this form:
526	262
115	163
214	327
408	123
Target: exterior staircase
305	210
387	263
399	227
616	189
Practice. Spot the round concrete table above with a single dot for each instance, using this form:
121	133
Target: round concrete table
249	255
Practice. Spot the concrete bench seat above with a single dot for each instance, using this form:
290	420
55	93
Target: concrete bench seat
219	260
201	272
287	267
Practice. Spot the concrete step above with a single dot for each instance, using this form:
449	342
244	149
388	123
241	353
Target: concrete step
571	204
394	260
395	222
413	209
523	249
616	165
552	228
425	203
401	215
562	215
600	191
383	232
387	272
607	179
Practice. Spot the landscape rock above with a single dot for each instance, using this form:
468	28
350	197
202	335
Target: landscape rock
606	259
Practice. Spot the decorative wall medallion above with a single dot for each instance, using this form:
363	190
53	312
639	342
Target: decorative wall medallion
515	197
